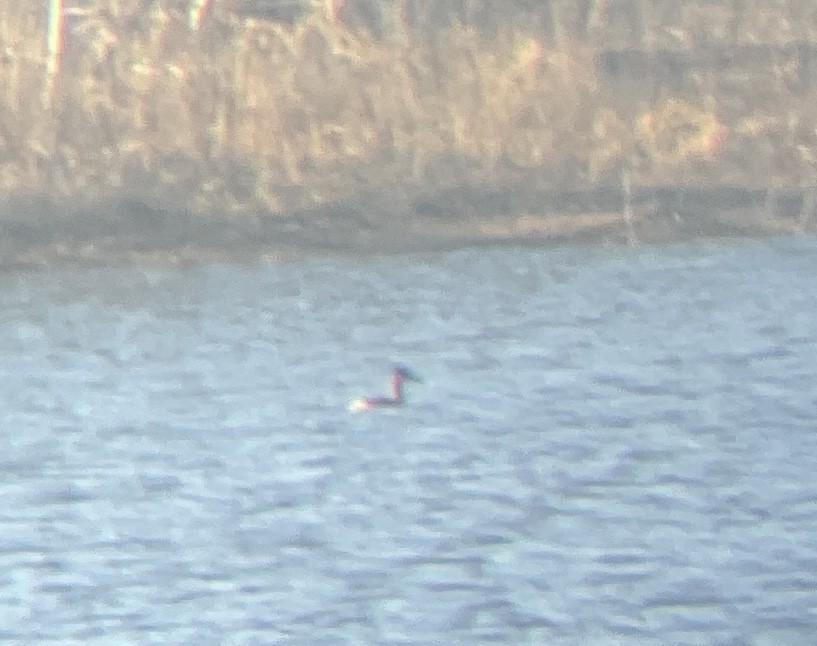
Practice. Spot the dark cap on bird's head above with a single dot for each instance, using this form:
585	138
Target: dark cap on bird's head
406	373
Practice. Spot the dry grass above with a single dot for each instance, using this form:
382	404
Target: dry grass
297	104
676	131
245	113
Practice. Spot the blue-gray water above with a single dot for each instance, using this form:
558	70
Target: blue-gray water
611	446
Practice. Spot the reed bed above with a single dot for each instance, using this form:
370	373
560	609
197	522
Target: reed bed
242	115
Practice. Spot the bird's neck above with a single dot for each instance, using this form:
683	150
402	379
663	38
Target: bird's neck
397	387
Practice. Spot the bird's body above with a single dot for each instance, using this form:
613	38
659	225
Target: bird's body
399	375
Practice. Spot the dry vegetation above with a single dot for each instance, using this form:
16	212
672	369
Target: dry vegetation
251	118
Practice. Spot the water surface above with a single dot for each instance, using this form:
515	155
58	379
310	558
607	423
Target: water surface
610	446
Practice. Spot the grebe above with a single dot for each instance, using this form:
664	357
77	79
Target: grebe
399	375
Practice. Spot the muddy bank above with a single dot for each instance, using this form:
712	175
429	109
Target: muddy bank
37	232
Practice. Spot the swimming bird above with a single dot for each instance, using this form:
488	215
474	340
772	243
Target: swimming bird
399	375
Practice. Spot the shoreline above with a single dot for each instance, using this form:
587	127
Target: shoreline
129	232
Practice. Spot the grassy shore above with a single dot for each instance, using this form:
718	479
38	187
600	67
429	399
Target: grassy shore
157	136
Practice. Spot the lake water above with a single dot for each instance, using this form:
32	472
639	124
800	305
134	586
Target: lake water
610	446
